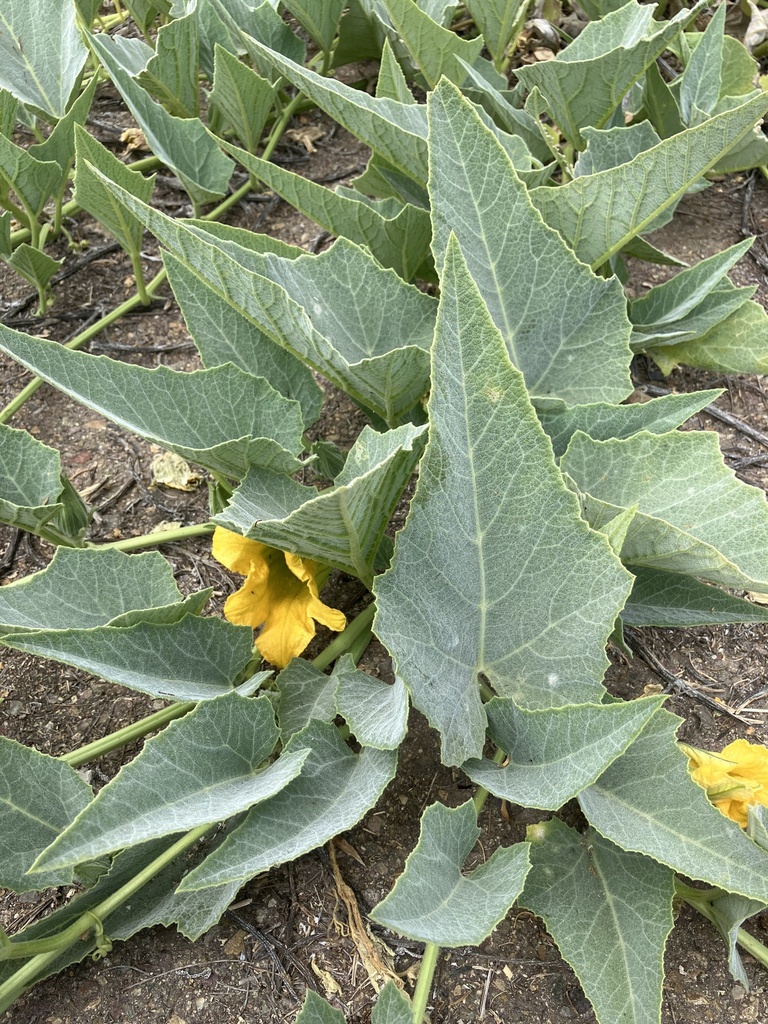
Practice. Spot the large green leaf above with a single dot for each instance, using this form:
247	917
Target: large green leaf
60	144
646	802
342	526
224	335
596	223
33	181
397	131
738	344
212	764
85	588
497	20
376	713
39	797
171	73
694	516
432	900
565	329
332	793
434	49
397	235
495	574
590	77
94	196
30	480
378	352
315	1010
41	53
222	418
305	693
240	97
603	420
192	659
609	912
320	19
661	598
552	755
182	143
699	88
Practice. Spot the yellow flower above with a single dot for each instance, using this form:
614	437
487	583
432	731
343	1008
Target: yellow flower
281	594
734	779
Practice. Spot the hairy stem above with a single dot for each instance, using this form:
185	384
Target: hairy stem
344	641
129	733
424	983
150	540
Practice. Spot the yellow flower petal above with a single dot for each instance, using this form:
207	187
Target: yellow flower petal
281	594
734	779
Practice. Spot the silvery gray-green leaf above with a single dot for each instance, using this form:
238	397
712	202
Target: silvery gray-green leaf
378	353
30	480
171	73
202	768
392	1006
564	328
589	78
319	19
609	912
193	604
553	754
690	303
9	106
224	335
497	20
315	1010
376	713
192	659
495	573
241	98
223	419
41	53
730	912
603	420
341	526
397	235
94	196
596	225
332	793
433	901
34	265
434	49
182	143
698	88
60	144
738	344
610	147
85	588
670	599
647	802
39	797
694	516
305	693
33	181
391	82
397	131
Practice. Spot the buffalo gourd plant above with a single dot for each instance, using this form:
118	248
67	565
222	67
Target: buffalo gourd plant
547	514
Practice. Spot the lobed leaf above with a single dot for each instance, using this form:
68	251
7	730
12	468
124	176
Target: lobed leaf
171	73
432	900
495	574
553	754
240	97
376	713
609	912
434	49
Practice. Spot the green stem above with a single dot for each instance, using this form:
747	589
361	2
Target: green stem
700	900
148	540
138	272
87	922
424	983
128	734
344	641
482	794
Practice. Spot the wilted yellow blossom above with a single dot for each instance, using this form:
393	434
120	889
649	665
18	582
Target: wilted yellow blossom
281	594
734	779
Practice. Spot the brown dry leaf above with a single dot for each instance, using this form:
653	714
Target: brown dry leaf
327	980
542	54
170	470
133	139
235	945
348	849
757	598
307	136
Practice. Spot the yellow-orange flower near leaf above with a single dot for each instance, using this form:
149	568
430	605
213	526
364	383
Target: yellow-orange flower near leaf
281	594
734	779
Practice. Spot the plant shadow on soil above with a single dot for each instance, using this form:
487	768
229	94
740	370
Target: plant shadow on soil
292	930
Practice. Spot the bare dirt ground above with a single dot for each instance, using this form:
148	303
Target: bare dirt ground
292	928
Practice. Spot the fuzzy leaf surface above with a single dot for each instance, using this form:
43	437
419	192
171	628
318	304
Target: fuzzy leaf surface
192	659
609	912
171	73
596	223
305	693
41	53
564	328
376	712
202	768
553	754
243	98
332	793
319	19
647	802
694	516
81	589
496	20
39	797
495	572
432	900
30	480
33	181
433	48
738	344
670	599
222	418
